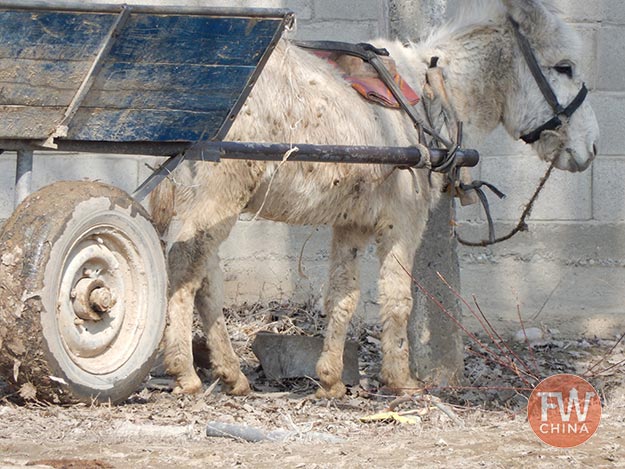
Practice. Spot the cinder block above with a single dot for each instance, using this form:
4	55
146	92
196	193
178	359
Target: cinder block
610	111
351	31
347	10
610	61
613	11
609	190
589	69
566	197
578	11
119	171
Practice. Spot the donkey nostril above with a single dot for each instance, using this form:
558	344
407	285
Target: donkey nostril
595	151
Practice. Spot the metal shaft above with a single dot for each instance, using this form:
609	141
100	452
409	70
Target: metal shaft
23	175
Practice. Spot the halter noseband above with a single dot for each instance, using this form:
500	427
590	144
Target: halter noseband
555	122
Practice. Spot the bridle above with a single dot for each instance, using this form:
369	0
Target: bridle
559	112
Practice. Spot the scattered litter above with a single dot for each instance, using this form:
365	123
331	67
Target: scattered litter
58	380
129	429
392	417
252	434
28	392
533	335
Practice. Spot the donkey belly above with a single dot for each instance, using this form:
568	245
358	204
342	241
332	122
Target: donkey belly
319	194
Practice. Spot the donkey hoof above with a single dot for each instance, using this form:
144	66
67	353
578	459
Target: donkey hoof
191	385
241	386
336	391
409	386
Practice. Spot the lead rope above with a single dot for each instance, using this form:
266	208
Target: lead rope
520	227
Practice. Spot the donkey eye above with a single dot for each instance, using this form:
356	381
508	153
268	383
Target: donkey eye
564	68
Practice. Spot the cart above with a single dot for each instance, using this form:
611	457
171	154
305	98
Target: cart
83	277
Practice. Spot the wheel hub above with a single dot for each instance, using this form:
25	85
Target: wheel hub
91	299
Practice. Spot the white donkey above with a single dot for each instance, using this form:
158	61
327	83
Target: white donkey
299	98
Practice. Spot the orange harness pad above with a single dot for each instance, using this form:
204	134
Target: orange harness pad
364	79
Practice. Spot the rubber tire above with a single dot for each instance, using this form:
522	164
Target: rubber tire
35	246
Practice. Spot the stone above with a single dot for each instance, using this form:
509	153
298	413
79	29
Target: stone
295	356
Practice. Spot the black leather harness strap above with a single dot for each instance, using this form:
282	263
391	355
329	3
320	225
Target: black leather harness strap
545	88
370	54
555	122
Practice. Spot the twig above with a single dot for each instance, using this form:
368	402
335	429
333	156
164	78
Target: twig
488	329
605	356
622	362
400	400
494	359
505	344
455	320
478	388
448	412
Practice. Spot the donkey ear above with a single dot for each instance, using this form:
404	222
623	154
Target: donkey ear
532	15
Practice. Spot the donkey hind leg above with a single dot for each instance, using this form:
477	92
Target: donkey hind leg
340	303
396	247
209	304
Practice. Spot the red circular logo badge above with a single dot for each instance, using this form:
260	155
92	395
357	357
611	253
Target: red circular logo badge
564	411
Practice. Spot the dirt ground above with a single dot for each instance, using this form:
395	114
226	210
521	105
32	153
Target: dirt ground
480	425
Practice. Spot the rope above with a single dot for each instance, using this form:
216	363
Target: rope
522	225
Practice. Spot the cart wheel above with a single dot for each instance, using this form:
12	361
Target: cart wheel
83	301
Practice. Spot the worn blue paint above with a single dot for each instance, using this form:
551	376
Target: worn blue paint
120	125
193	40
61	36
167	77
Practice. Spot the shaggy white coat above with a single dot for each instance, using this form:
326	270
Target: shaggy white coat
301	99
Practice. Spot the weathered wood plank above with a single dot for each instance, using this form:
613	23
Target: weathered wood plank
175	77
142	125
17	94
193	39
167	78
142	86
161	100
28	122
150	86
63	36
40	73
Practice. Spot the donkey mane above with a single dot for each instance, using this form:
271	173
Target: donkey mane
470	15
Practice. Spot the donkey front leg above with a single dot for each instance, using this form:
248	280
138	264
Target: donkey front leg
396	250
340	303
209	304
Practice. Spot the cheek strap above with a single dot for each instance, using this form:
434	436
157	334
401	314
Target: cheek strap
555	122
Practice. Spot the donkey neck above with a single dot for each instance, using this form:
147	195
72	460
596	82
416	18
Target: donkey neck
478	68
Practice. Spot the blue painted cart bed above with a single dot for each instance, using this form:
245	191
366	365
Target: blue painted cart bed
128	74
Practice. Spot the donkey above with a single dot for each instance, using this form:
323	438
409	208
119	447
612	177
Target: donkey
299	98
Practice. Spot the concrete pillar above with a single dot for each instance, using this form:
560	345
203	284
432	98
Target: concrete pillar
436	346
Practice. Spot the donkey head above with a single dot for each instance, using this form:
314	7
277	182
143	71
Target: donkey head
546	104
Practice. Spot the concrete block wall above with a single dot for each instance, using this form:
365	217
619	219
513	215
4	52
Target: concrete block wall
567	272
